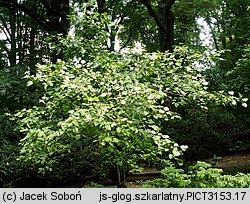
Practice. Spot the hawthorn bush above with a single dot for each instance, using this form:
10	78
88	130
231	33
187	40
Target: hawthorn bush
112	108
102	110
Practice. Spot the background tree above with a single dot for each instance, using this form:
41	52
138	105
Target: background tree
229	23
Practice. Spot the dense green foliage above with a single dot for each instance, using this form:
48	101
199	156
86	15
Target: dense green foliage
114	104
200	175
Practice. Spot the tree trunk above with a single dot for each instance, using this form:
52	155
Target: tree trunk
58	23
13	49
167	35
164	19
113	31
121	178
54	20
167	20
101	6
32	59
112	41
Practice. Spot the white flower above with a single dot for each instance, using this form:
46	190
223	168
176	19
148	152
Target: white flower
205	83
103	94
234	102
123	102
161	111
183	147
166	109
244	105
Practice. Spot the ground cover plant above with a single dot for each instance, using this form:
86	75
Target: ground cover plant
200	175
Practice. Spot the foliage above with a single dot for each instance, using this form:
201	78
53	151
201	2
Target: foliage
93	185
238	76
11	171
89	35
109	110
200	175
14	94
216	131
110	105
234	77
114	105
186	22
228	24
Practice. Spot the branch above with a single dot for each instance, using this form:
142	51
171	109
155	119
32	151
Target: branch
129	38
5	33
5	26
136	25
38	18
153	14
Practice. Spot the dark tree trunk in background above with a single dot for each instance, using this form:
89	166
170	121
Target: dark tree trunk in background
32	60
119	177
13	50
167	33
164	19
58	23
112	41
101	6
57	12
54	20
